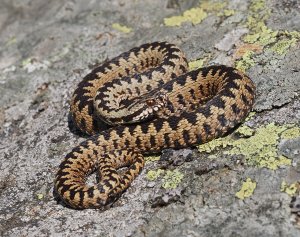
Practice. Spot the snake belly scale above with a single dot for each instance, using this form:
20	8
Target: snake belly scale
152	103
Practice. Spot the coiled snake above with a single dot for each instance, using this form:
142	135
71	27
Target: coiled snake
152	104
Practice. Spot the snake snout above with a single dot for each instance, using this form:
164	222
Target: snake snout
150	105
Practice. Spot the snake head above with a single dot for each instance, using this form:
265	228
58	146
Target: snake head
148	107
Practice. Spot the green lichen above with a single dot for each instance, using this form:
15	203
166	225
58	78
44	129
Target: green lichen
273	40
271	161
258	14
214	7
171	179
154	174
251	38
245	131
26	61
279	42
194	15
229	12
250	115
262	35
293	34
291	133
197	14
247	189
214	145
286	40
258	146
121	28
245	62
149	159
289	189
196	64
260	149
257	5
282	46
39	196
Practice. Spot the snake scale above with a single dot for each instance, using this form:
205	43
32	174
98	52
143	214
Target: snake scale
151	103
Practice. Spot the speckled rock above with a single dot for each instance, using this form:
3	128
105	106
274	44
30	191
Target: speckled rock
46	48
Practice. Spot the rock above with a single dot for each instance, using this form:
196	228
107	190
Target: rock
47	47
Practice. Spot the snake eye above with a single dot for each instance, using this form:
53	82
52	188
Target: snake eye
150	102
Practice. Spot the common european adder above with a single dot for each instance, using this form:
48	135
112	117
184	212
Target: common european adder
151	103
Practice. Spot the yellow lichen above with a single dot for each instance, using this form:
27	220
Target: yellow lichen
293	34
250	115
226	12
260	149
259	33
246	190
258	14
194	15
245	131
218	8
154	174
291	133
121	28
26	61
39	196
197	14
258	146
214	7
245	62
257	5
149	159
281	47
211	6
171	179
196	64
262	35
271	161
289	189
229	12
214	144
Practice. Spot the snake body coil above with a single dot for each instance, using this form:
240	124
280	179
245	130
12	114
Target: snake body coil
155	105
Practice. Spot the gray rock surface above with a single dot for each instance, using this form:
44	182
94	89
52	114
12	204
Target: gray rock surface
46	47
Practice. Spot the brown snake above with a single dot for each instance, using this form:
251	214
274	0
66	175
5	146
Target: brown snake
153	104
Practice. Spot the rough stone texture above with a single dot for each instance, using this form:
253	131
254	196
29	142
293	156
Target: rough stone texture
64	40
